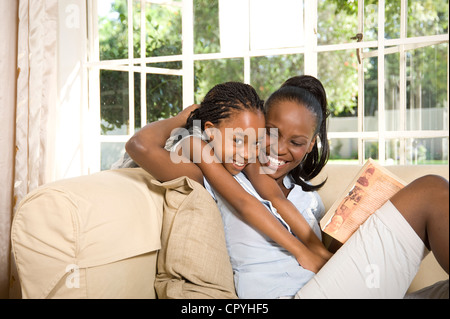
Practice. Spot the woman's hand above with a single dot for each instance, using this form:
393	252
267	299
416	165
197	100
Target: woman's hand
184	114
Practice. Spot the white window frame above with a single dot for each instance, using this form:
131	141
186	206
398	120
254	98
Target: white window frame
310	51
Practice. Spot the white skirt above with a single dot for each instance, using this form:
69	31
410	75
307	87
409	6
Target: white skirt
379	261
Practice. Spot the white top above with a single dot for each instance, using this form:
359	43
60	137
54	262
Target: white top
262	268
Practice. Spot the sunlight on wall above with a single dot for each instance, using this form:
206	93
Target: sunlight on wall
71	112
268	24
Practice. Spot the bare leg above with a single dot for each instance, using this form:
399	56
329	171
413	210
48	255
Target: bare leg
425	205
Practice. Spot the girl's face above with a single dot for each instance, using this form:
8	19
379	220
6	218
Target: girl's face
296	136
236	140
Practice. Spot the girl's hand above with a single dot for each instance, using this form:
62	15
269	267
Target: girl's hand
311	261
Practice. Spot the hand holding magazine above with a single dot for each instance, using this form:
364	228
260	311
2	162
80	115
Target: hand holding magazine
369	190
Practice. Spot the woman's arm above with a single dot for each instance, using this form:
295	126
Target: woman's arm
268	189
254	212
146	148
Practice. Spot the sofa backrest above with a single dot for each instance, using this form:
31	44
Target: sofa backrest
340	176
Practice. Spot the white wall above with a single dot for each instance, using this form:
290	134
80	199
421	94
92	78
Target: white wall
72	107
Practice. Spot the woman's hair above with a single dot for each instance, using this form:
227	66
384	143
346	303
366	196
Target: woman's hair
222	100
308	91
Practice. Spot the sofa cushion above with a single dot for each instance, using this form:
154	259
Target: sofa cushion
339	177
193	261
68	229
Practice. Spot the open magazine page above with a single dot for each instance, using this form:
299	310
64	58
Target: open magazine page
372	187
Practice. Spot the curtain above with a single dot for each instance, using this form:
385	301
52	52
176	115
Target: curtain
8	58
30	101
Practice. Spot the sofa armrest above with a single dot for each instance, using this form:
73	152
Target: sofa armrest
107	223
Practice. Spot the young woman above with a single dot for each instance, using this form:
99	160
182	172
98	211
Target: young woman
382	257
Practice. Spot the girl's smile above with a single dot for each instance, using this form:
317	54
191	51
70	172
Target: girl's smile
239	139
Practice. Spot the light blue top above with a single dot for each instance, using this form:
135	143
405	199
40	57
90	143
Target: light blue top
263	269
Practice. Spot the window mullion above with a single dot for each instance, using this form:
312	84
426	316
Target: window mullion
310	18
188	52
130	72
93	121
361	144
143	65
247	61
381	84
402	97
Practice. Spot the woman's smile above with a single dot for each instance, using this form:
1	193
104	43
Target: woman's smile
275	163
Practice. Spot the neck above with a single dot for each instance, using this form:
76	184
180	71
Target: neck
281	185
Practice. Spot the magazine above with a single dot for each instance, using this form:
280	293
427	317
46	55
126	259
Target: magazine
369	190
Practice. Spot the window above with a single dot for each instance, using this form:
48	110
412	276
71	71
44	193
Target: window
383	63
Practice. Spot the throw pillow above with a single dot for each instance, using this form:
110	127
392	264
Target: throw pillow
193	262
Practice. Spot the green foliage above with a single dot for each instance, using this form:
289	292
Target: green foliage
337	23
206	26
163	37
269	72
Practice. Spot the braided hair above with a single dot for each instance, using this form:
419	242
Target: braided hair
308	91
222	100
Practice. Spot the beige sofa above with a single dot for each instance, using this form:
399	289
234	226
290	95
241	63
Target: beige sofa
105	236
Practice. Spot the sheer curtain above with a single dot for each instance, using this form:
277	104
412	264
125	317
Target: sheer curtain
8	58
28	98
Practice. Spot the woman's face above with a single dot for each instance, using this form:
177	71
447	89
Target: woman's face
296	136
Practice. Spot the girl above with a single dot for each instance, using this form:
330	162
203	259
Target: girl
229	105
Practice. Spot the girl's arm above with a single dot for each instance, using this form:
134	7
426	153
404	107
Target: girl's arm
268	189
146	148
253	211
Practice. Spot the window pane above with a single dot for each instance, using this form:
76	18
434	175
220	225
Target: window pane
425	151
343	124
164	96
427	17
113	29
114	104
268	73
427	89
163	29
392	91
111	153
371	21
344	149
392	19
338	71
206	26
211	72
275	24
337	21
370	94
371	150
427	105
